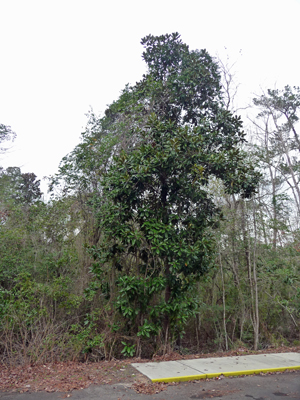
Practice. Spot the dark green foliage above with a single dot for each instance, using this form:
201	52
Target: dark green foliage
19	188
155	212
181	85
30	188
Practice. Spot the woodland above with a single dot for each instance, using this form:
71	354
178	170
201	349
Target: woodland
172	226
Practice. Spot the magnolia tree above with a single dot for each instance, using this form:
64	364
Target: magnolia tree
154	213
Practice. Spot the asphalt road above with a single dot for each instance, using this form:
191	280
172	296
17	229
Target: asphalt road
268	387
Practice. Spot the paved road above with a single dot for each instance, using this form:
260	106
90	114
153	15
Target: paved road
282	386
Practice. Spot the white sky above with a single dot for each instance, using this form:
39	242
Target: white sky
59	57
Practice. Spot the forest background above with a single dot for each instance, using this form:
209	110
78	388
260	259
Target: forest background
166	228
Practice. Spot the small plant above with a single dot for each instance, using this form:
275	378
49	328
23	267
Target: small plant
147	330
128	350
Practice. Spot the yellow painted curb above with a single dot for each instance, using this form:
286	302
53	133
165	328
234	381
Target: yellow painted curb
180	378
231	373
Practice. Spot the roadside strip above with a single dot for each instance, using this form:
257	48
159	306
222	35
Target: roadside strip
207	368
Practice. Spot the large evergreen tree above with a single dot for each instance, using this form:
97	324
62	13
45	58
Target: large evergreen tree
154	212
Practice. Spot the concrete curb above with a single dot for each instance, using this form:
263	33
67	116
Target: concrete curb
231	373
207	368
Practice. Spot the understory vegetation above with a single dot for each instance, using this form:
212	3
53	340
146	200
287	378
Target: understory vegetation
169	228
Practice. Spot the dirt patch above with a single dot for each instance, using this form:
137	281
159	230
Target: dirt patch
67	376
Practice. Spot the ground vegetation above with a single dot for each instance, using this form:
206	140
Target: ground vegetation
166	229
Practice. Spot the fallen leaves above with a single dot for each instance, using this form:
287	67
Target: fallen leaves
66	376
150	388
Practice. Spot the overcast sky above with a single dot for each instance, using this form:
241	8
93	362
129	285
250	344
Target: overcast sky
61	57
